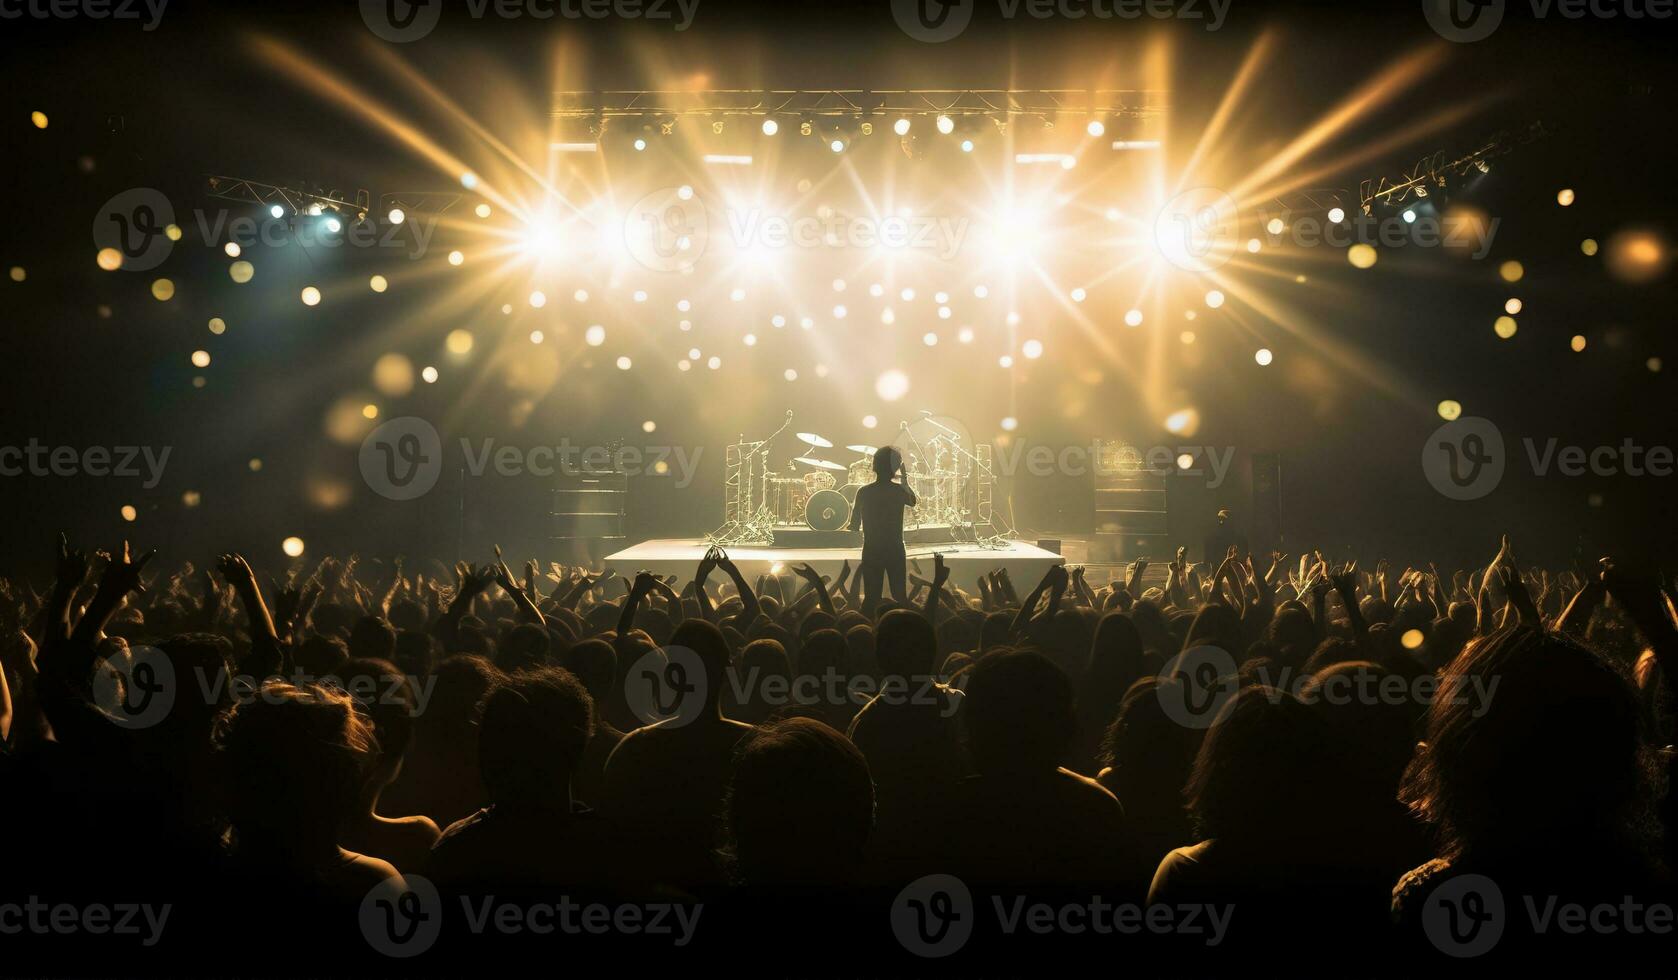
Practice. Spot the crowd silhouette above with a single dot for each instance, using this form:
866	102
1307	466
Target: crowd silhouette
1326	761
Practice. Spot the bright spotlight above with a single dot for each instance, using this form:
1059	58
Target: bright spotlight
396	216
967	146
946	125
891	385
836	145
901	127
771	127
640	144
333	225
1095	127
1337	215
277	211
1409	216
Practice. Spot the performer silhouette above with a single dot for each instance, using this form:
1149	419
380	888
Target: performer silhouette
879	515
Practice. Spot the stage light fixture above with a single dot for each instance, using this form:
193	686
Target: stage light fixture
640	144
806	127
867	129
901	127
967	146
771	127
277	211
836	144
946	125
396	216
1095	127
716	127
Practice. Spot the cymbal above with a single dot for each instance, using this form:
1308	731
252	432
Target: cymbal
820	463
865	450
814	440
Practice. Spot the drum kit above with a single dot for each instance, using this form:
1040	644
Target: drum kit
816	493
809	492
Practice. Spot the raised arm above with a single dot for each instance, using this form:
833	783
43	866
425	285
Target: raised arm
267	658
817	586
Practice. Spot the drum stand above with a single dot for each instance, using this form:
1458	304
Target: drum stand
748	519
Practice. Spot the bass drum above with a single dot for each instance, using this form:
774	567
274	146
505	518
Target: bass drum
827	510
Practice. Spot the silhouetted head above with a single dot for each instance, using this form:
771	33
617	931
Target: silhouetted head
706	641
800	806
296	757
1018	712
525	647
905	645
1115	660
531	735
1553	753
1215	625
386	698
886	461
1259	767
595	664
371	638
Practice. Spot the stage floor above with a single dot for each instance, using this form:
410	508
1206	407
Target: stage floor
1025	563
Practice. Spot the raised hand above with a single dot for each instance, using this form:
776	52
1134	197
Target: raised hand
940	571
72	564
122	574
808	574
237	571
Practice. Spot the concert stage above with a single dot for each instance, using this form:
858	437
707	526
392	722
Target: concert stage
680	556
